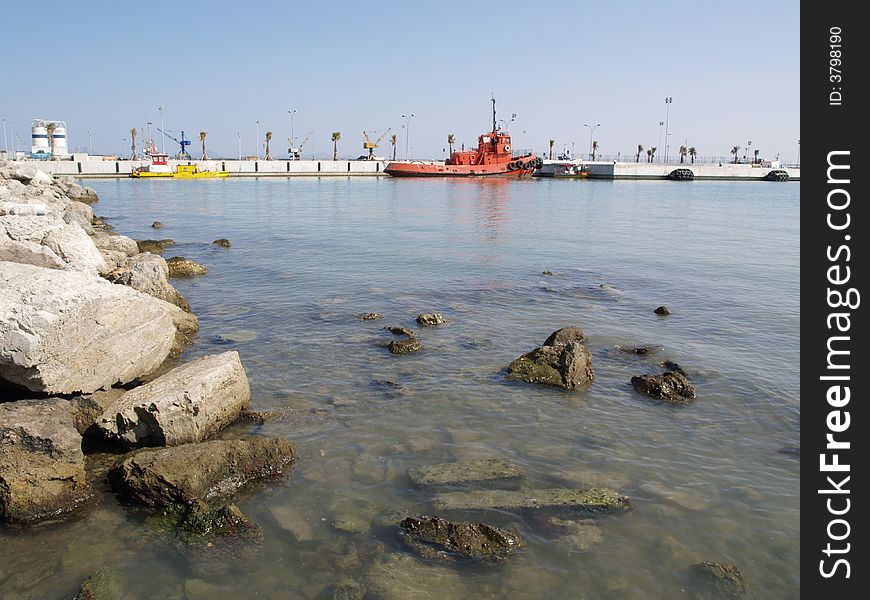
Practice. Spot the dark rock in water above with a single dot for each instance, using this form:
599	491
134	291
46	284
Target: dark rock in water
258	417
596	500
369	316
42	467
673	387
793	451
547	273
102	585
466	472
153	246
565	335
718	581
669	365
388	383
399	331
439	539
405	346
662	311
639	350
209	537
183	267
348	590
431	319
159	477
477	343
157	225
222	242
566	364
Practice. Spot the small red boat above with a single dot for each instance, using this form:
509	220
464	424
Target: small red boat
493	157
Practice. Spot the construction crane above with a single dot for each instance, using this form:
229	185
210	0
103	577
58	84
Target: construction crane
296	151
182	152
369	145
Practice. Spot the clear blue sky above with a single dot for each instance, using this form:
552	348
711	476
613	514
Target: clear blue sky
731	68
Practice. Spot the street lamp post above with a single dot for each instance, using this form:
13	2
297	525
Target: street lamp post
292	112
407	131
12	135
239	135
162	128
591	133
668	101
258	139
89	141
5	141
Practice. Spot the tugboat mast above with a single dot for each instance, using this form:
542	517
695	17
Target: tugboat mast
493	114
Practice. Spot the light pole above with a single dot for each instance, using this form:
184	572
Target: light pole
799	153
258	139
292	112
6	141
162	128
239	135
89	141
12	135
407	131
668	101
661	125
591	133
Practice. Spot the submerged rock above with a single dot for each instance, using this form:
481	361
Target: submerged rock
431	319
673	387
157	225
222	243
439	539
399	331
487	470
209	537
662	311
348	590
405	346
183	267
154	246
596	500
102	585
371	316
639	350
397	576
563	361
217	468
718	580
187	404
42	468
548	273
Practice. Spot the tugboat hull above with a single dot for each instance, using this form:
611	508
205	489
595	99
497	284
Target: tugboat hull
511	169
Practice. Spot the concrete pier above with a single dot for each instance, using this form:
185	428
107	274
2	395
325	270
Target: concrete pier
729	171
317	168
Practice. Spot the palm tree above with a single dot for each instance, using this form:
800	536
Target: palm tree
683	152
393	139
268	145
734	151
451	139
551	148
336	135
202	135
639	150
133	137
652	154
50	129
594	149
693	153
649	154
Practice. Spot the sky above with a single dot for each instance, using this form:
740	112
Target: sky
732	70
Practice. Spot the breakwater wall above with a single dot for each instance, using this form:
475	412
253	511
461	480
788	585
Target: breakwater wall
730	171
239	168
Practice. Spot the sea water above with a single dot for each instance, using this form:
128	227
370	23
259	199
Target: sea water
716	480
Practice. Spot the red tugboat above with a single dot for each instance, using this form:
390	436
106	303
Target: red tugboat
492	158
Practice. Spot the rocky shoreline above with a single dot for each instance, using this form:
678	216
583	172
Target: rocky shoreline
88	318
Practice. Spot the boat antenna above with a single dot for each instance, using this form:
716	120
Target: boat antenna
493	113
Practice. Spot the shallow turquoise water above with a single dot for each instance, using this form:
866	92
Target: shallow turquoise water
707	481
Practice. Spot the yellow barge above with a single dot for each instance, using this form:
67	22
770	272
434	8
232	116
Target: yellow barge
159	167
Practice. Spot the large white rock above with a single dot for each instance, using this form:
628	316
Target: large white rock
67	246
188	404
148	274
63	332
